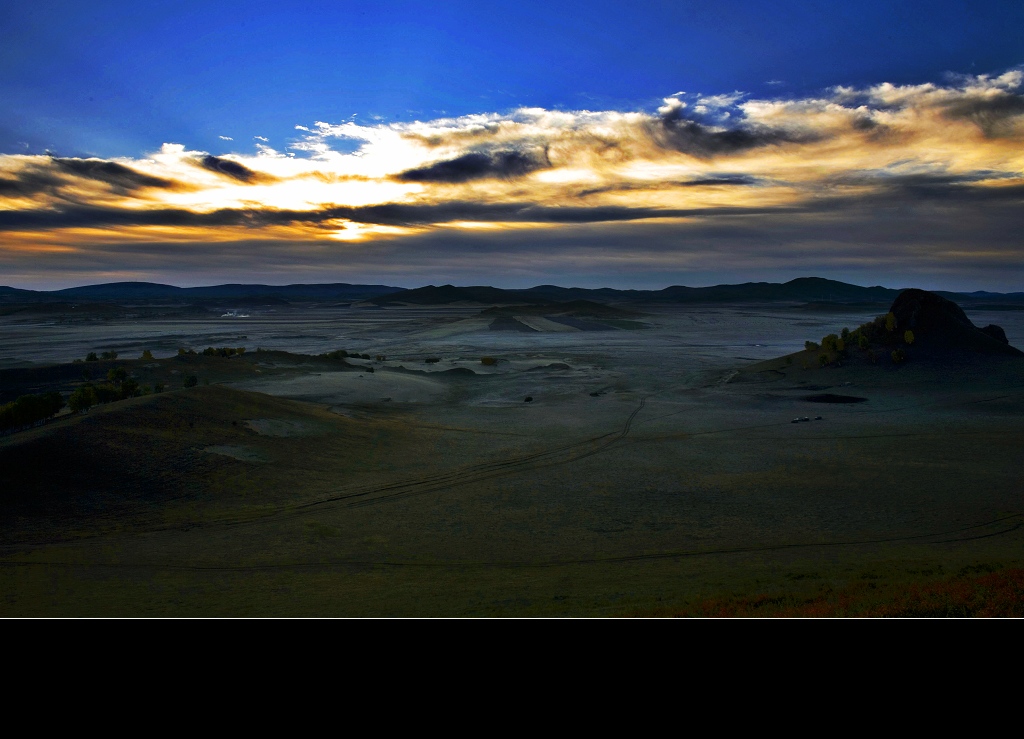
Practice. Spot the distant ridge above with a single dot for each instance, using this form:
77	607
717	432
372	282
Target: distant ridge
149	291
800	290
816	290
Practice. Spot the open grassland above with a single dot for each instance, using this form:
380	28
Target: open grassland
631	484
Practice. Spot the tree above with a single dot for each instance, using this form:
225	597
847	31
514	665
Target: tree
890	321
862	341
117	375
146	354
82	399
129	388
91	357
908	336
108	355
190	381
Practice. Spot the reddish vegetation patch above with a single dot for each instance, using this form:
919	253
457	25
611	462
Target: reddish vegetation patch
996	594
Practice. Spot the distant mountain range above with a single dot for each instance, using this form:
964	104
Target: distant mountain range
151	291
800	290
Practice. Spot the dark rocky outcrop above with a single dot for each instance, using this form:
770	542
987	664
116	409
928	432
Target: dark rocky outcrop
939	324
996	332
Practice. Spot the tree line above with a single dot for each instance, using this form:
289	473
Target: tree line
28	410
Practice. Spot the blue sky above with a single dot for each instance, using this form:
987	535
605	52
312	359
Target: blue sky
118	79
631	144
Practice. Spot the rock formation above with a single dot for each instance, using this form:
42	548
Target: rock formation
940	324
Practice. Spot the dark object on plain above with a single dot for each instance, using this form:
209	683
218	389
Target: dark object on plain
832	398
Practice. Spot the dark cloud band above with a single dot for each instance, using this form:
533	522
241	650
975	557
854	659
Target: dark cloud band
888	192
117	175
506	164
234	170
673	130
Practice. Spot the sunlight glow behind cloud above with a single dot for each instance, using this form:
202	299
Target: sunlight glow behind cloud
705	173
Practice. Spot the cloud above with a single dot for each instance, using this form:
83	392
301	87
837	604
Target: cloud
30	181
233	169
117	175
675	129
847	156
225	138
710	180
996	114
478	165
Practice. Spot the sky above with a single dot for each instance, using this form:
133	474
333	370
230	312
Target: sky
590	144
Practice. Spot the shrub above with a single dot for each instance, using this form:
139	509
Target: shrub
908	336
489	361
190	381
890	321
830	343
872	357
811	346
432	360
823	359
898	356
337	354
158	387
146	354
862	341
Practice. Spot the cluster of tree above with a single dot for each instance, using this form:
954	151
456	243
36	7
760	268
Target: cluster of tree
223	351
94	357
119	386
342	354
29	409
882	330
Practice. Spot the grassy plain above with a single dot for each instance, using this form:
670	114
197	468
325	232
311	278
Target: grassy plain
653	472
